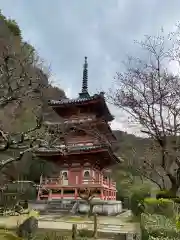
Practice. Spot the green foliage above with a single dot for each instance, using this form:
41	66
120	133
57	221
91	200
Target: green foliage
84	233
178	222
137	200
156	226
164	194
7	201
176	200
161	206
127	182
12	25
24	191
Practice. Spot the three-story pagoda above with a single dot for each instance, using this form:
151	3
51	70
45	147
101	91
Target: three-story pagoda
85	153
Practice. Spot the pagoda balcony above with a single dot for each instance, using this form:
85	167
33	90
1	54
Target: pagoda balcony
74	119
59	182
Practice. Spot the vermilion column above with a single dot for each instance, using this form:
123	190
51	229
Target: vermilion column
102	194
75	194
109	194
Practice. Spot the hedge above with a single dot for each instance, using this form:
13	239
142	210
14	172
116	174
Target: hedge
137	199
162	206
158	227
164	194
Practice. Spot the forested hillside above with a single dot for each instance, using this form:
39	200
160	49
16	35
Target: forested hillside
24	79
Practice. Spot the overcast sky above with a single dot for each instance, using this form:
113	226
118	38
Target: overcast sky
64	31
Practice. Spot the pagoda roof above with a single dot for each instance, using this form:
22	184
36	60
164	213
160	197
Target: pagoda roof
77	149
62	149
76	121
81	100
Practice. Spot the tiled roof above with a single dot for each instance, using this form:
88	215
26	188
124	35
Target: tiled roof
62	150
76	100
81	100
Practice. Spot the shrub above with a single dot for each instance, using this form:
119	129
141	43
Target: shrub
176	200
164	194
161	206
158	227
83	233
28	228
13	27
137	199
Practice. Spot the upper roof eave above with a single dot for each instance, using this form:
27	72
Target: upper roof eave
80	101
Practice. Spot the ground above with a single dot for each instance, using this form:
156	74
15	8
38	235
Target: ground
106	224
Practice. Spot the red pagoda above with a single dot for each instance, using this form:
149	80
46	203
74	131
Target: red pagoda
85	154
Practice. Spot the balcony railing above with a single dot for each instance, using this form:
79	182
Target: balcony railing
62	182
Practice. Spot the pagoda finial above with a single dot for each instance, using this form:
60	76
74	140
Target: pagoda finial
85	77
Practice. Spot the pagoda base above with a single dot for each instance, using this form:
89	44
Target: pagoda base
102	207
59	207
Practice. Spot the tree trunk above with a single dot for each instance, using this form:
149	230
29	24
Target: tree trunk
174	188
90	209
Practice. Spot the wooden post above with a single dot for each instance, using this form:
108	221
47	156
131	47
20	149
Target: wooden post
74	232
102	194
95	226
76	194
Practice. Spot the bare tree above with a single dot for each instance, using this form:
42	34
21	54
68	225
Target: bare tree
87	195
149	93
19	80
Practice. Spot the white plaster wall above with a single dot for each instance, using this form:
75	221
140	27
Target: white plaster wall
105	209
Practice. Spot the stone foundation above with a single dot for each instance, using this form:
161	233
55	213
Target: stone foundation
101	207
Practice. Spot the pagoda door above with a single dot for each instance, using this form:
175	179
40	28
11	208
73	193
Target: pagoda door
75	176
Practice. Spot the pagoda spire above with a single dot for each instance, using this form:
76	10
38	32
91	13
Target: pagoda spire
85	77
84	90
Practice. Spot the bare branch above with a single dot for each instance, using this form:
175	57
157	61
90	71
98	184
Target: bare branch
148	92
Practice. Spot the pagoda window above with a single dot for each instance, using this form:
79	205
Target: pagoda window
65	175
86	174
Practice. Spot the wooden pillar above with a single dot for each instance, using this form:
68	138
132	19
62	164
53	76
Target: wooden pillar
62	193
105	194
102	194
81	175
109	194
50	195
75	194
39	193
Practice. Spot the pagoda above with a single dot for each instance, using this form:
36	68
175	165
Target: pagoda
84	156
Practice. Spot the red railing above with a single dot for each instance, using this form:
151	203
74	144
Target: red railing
61	182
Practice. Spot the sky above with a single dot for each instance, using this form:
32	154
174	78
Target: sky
64	31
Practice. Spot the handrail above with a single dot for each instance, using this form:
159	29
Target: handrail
60	181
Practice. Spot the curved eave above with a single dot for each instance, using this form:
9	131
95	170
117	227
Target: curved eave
72	150
48	152
64	103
